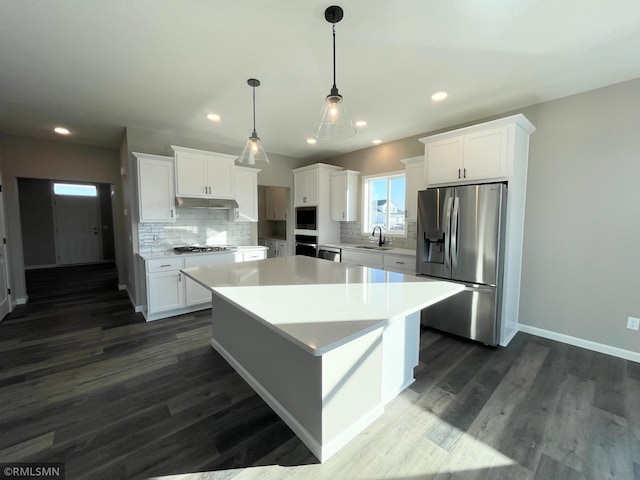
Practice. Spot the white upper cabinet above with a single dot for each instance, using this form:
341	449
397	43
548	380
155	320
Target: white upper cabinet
246	195
156	199
305	187
344	196
276	203
204	174
480	153
307	182
415	181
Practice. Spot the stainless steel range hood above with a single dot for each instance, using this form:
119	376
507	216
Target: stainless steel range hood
219	203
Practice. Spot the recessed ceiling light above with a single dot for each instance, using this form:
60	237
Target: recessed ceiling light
361	123
214	117
376	141
61	131
311	141
439	96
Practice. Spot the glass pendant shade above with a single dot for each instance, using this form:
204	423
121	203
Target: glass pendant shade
253	153
335	124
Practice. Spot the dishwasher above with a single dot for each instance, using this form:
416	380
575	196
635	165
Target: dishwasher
333	254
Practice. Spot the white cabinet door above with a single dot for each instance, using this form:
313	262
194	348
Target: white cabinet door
204	174
276	203
414	175
156	196
246	194
485	154
305	185
196	294
272	248
344	196
282	249
444	160
191	175
221	176
165	291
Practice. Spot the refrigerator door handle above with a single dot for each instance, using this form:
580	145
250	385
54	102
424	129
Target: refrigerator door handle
447	234
454	232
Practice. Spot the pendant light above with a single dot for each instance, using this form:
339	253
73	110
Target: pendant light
253	153
334	124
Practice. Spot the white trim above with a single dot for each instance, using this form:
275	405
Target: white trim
580	342
22	300
321	451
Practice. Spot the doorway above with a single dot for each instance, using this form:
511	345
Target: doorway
5	296
65	223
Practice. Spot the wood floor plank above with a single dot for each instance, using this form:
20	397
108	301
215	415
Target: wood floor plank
609	373
548	468
566	439
609	455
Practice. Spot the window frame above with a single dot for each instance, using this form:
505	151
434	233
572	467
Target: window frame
75	185
365	201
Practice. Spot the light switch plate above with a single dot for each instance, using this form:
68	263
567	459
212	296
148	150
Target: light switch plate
633	323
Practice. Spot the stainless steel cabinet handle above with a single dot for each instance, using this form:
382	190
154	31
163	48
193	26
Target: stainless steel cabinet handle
400	263
179	277
458	173
162	266
465	173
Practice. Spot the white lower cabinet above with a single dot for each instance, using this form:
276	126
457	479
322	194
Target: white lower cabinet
365	259
399	263
196	294
170	292
383	261
167	291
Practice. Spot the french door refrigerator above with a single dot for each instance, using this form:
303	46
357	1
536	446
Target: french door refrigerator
461	239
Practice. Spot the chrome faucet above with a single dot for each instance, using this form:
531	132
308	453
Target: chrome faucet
373	234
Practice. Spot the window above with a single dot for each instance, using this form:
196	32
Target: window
383	201
75	189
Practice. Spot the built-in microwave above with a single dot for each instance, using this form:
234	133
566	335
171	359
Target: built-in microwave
306	218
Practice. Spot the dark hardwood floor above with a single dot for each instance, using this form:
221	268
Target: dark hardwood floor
85	381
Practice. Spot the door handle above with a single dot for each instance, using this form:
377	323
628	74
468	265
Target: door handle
447	234
454	232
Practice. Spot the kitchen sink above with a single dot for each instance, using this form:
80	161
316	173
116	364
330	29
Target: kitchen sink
373	247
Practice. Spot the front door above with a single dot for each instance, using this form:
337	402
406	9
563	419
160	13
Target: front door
78	237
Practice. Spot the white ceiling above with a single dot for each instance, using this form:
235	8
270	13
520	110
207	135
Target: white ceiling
96	66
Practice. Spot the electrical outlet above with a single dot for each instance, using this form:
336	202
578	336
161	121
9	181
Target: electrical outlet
633	323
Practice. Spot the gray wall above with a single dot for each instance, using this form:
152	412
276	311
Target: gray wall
28	157
36	218
581	267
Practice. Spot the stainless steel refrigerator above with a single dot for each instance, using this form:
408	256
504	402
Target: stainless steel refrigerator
460	238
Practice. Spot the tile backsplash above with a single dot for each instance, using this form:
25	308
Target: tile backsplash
193	226
351	232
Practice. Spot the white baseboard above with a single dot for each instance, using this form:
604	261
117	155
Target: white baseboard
580	342
22	300
122	287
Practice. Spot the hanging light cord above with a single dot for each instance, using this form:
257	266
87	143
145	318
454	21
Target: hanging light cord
334	55
254	113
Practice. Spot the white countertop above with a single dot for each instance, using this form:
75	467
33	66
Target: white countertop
320	305
170	253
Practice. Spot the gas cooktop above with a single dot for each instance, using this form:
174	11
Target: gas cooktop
205	248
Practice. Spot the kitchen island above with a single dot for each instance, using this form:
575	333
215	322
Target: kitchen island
326	345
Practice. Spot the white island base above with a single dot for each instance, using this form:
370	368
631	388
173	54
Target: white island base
325	351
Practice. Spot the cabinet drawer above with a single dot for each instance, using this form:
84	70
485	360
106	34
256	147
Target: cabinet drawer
398	262
255	255
366	259
164	264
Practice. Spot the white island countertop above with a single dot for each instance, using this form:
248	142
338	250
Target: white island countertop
316	304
